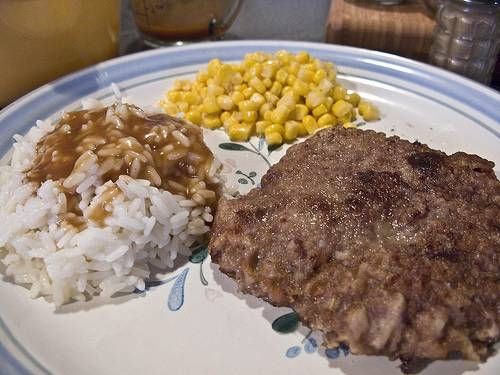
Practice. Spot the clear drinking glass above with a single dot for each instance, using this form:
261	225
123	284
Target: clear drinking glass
176	22
41	40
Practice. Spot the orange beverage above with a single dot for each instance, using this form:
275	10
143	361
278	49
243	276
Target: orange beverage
44	39
163	22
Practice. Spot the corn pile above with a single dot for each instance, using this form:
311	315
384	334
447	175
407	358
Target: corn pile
280	96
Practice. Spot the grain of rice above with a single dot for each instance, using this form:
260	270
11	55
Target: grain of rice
105	152
207	217
176	186
136	155
207	194
146	226
73	179
175	155
198	199
153	175
181	138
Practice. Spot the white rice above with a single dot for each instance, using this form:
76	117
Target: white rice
146	225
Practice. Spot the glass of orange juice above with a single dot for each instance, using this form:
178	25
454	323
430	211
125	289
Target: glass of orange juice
44	39
176	22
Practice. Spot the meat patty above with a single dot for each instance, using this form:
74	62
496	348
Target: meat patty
387	246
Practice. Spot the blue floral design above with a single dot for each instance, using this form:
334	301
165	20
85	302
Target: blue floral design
176	296
289	322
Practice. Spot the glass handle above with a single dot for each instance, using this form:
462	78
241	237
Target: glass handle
220	26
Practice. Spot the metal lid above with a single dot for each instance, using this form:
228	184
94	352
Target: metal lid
481	2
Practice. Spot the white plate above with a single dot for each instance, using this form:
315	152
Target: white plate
218	330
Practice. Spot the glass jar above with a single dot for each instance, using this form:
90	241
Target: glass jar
467	38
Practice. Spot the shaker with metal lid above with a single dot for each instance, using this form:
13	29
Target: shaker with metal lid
467	38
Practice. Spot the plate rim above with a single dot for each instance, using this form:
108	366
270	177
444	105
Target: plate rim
484	99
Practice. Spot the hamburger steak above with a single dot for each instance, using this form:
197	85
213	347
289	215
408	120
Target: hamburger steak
388	246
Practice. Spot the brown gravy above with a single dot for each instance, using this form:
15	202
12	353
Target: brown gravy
122	140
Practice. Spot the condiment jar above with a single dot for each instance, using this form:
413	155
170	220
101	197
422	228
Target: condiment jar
467	38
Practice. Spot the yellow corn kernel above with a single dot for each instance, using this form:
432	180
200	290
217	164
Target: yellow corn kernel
274	139
348	125
229	122
319	76
301	129
214	90
236	79
224	74
299	112
210	120
302	57
267	115
290	79
271	98
224	116
240	132
260	126
194	117
257	99
293	67
340	108
203	91
257	84
210	105
326	120
225	102
237	97
353	98
279	128
183	106
306	75
177	85
300	87
247	105
319	110
287	90
197	86
314	99
192	98
237	116
267	82
174	96
346	118
281	76
170	108
368	111
213	67
249	116
339	92
240	87
328	103
280	114
255	70
276	88
291	131
283	56
325	86
264	108
248	92
288	101
310	124
269	69
202	76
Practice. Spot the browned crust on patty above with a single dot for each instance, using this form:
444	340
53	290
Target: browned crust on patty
385	245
